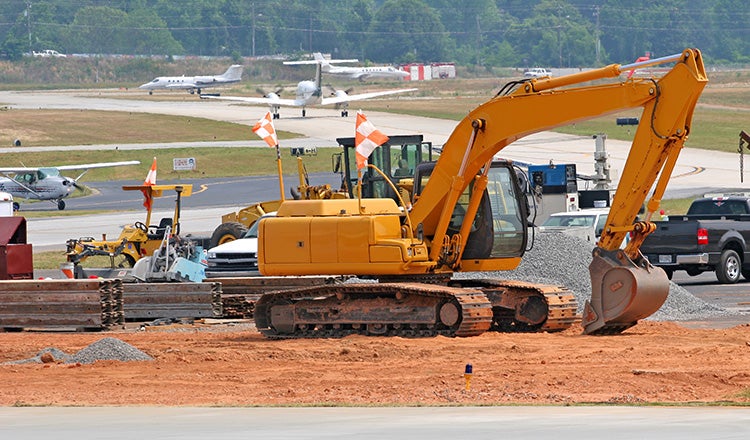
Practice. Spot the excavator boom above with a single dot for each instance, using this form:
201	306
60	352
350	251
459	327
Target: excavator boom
625	287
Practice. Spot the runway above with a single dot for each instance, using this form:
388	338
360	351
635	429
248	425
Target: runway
697	171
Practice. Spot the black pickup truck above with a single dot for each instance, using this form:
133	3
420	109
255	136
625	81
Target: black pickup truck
712	236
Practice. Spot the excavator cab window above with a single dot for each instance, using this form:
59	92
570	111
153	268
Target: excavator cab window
500	227
404	159
402	152
509	224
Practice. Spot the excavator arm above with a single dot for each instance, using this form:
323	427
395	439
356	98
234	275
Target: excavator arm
625	288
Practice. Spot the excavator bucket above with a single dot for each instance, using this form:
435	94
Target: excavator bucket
622	292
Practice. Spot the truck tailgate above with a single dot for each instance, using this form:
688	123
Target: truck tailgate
670	237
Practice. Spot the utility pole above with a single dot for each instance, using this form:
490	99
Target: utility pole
479	43
597	37
309	48
253	12
28	23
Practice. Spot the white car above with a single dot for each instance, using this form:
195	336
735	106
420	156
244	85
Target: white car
237	257
586	223
49	53
537	72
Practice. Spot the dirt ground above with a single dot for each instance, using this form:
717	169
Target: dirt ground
234	365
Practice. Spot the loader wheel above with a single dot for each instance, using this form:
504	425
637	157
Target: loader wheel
729	269
227	232
124	261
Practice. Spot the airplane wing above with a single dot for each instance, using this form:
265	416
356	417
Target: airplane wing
88	166
181	86
361	96
252	100
85	166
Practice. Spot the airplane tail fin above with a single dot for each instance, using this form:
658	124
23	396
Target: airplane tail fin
318	76
234	73
320	59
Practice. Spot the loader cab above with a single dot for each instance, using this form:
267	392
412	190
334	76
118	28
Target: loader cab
398	158
500	227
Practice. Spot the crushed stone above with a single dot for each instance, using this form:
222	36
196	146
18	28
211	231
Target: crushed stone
562	259
103	349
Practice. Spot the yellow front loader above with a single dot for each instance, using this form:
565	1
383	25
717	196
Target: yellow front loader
136	241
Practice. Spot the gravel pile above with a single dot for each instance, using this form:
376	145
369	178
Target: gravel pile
103	349
561	259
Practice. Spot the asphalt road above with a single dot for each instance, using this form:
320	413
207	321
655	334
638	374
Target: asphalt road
207	193
476	423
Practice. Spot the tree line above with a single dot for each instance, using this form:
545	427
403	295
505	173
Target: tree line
490	33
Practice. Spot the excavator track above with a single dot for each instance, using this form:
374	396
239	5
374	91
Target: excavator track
377	309
464	308
520	306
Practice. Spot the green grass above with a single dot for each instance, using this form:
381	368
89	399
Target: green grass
87	127
675	206
712	128
210	162
49	259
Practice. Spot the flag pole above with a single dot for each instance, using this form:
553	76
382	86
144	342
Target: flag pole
281	176
359	190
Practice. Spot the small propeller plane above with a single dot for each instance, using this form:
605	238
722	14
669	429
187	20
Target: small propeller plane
46	183
309	93
194	83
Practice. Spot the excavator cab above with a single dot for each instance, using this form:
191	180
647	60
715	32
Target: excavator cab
398	158
499	229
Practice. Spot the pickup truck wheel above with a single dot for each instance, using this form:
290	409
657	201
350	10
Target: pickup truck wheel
728	270
227	232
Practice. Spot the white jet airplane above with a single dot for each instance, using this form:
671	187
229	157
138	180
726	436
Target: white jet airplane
193	83
46	183
309	93
360	73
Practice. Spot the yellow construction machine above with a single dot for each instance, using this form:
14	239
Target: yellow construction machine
136	241
468	214
407	151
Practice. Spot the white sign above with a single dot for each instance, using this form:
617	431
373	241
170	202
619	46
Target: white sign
183	164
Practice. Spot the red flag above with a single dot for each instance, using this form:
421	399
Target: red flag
366	139
264	129
150	180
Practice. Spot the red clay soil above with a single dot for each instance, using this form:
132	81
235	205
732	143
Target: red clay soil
234	365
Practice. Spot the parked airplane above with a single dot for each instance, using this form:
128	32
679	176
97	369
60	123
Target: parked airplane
193	83
309	93
46	183
360	73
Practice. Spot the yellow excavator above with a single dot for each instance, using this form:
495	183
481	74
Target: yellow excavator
468	214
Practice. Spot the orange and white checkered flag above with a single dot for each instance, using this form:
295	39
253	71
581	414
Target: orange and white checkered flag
366	139
149	181
264	129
